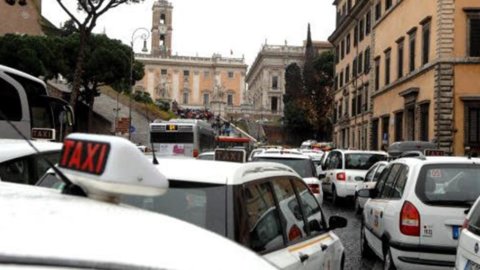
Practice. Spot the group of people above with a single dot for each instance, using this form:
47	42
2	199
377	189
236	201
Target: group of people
187	113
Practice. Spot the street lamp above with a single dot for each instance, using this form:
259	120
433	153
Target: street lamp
143	36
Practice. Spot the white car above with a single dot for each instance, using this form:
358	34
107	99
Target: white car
468	256
302	164
415	213
210	155
43	229
20	163
369	182
264	206
344	169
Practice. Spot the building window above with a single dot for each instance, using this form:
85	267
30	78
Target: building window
360	30
473	34
348	43
424	122
206	99
163	72
411	58
185	97
385	132
399	126
388	4
342	49
472	126
355	35
365	98
426	42
354	68
186	75
230	74
378	10
367	60
359	101
368	25
360	63
274	104
347	74
163	18
337	55
410	123
377	73
375	134
341	78
230	99
387	66
275	82
400	58
354	106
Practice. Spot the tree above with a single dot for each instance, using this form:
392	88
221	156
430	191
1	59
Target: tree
106	62
90	11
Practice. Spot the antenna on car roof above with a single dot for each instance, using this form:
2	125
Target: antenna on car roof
155	160
70	188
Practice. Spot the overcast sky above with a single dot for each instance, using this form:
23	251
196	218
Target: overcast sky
204	27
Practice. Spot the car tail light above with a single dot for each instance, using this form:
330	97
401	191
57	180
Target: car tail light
195	153
341	176
294	233
465	224
409	220
315	188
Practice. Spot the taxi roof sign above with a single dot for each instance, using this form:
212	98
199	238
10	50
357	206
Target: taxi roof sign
231	154
108	166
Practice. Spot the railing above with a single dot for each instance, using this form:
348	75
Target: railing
215	58
284	48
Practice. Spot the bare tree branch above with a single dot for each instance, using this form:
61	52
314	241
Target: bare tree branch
68	12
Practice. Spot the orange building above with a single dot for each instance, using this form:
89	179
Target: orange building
424	76
19	19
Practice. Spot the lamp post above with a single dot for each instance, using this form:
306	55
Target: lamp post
143	36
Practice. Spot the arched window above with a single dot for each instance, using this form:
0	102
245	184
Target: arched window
163	18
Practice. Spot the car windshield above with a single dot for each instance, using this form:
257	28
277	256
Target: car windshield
449	184
302	166
198	203
362	161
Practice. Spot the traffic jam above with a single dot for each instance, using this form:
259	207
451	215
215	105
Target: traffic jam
196	200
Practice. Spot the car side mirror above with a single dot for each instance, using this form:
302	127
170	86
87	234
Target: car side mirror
367	193
359	178
335	222
321	175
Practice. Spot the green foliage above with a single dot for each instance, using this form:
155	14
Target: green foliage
143	97
163	104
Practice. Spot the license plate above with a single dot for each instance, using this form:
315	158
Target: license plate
471	266
455	232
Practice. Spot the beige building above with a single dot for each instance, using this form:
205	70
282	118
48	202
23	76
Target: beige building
266	77
423	84
18	19
216	82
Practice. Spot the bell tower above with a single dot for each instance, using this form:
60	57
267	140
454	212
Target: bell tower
162	28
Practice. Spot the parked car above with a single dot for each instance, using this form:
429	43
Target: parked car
415	213
302	164
264	206
468	256
210	155
344	169
369	182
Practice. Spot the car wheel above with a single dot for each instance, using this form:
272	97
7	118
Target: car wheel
358	209
334	196
387	260
365	249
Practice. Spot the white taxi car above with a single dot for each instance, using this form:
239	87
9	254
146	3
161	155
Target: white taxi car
302	164
42	229
468	256
369	182
416	211
264	206
20	163
344	169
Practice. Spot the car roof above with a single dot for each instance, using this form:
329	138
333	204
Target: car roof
220	172
11	149
424	160
40	225
360	152
284	153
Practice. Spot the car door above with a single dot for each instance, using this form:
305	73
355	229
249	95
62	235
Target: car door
374	211
262	228
332	163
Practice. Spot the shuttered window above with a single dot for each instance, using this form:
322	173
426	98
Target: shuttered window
473	125
424	122
474	36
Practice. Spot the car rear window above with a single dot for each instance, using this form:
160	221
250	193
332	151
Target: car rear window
304	167
198	203
362	161
474	221
449	184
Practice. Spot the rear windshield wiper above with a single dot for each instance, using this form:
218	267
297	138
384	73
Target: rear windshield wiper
467	203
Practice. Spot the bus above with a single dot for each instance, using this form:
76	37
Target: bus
182	137
25	102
